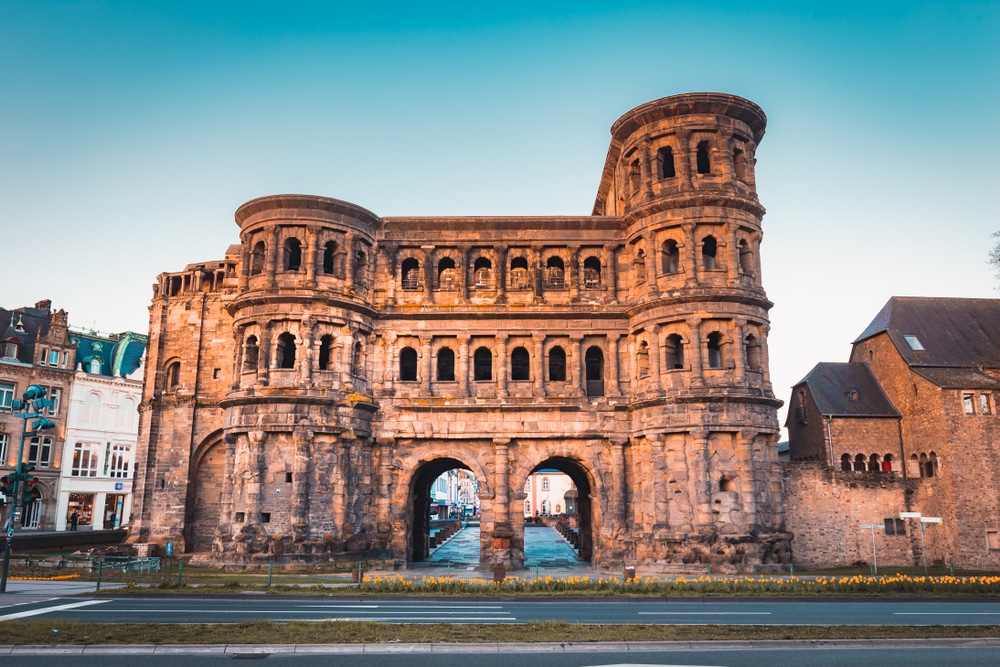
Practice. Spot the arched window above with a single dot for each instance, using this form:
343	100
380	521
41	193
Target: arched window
358	360
746	259
361	269
887	463
250	354
671	257
704	166
634	178
257	257
325	352
709	247
447	276
520	279
642	359
639	266
483	271
845	463
666	156
520	364
675	352
407	365
92	406
715	350
173	375
859	463
591	273
594	362
126	414
284	354
291	255
555	273
873	463
752	350
482	362
739	164
557	365
411	274
545	507
446	365
95	366
329	257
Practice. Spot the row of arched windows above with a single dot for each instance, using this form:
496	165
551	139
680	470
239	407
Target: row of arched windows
285	354
520	366
670	258
448	277
291	260
866	463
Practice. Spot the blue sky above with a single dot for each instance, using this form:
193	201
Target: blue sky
132	131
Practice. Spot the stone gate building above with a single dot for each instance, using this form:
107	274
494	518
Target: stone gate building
303	393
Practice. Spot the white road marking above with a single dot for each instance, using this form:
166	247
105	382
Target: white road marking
946	613
704	613
47	610
394	606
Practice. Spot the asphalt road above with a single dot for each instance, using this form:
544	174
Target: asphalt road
167	609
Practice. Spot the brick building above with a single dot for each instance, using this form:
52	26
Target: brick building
908	425
304	391
35	348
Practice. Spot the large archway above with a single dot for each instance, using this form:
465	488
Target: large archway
576	510
204	502
422	498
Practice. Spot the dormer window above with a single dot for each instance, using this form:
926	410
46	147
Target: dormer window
852	395
8	349
914	343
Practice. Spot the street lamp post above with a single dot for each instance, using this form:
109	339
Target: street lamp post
31	405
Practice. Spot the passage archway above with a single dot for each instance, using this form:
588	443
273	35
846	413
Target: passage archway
569	507
441	491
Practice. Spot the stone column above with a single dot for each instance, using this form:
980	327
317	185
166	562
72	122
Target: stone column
389	369
228	481
633	371
612	264
245	255
578	377
383	518
618	495
652	275
341	477
427	366
765	360
463	366
691	265
429	273
647	170
614	388
684	159
254	475
302	439
390	271
312	253
502	366
538	365
733	256
739	352
748	474
464	271
700	479
655	352
349	261
264	354
661	520
538	279
575	276
501	274
239	337
274	256
697	374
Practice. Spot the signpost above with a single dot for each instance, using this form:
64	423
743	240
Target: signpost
924	520
873	527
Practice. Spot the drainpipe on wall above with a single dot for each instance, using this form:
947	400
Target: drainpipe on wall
829	440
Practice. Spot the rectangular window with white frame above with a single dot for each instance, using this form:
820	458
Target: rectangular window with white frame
40	451
53	357
968	404
53	394
6	396
4	439
85	459
121	461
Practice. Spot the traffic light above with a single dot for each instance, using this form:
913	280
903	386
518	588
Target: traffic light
42	423
27	483
7	485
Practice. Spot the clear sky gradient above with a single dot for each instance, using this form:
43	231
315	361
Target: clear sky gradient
131	131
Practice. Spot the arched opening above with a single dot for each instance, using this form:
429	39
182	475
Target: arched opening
845	463
642	359
361	269
520	365
291	255
410	272
557	364
441	491
358	360
666	156
746	259
329	257
887	463
569	490
639	266
446	365
739	165
874	465
555	273
483	271
447	275
325	350
671	257
715	350
859	463
257	257
594	361
752	350
675	352
173	375
284	353
591	273
482	365
520	279
709	248
704	165
407	365
204	498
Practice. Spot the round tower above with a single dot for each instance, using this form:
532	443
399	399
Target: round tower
680	173
302	325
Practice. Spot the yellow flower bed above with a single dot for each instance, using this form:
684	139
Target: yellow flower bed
56	577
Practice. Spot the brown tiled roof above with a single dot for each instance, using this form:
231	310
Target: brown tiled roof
955	333
830	385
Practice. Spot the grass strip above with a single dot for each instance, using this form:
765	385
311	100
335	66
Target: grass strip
37	632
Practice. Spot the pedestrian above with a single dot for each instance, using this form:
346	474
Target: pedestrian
74	520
